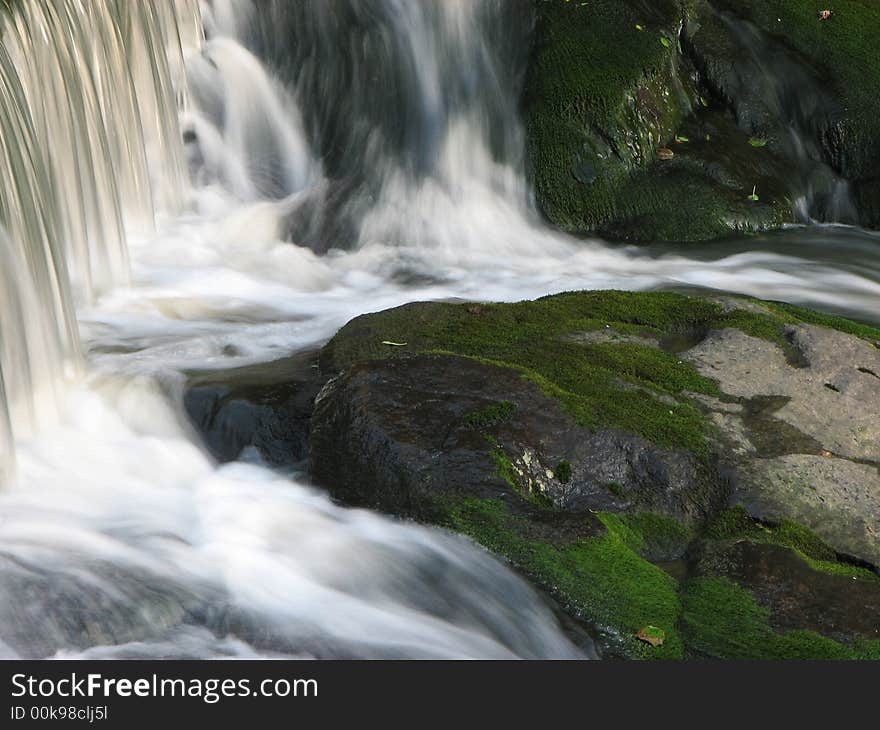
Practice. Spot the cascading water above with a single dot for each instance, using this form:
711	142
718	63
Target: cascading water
87	114
784	99
384	132
94	556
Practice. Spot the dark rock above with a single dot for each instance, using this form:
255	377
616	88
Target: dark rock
397	434
842	607
263	407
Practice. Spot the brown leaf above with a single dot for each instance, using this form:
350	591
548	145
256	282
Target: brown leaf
664	153
652	635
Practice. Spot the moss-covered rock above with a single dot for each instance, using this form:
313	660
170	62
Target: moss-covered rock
675	120
788	595
571	436
602	95
602	578
607	88
722	620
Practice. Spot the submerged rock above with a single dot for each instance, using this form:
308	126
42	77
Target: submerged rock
596	440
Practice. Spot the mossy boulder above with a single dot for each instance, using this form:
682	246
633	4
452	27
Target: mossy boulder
580	437
673	120
609	87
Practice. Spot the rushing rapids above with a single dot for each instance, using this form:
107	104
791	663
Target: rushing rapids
172	174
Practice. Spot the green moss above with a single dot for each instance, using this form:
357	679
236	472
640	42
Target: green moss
634	387
601	96
720	619
563	471
490	416
603	578
704	192
607	581
658	534
533	338
735	523
793	315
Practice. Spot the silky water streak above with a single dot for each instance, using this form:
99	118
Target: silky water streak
90	92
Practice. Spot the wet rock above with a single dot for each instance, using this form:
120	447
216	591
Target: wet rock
843	607
260	411
397	434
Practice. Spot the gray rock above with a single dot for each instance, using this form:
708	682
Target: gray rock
835	399
837	499
803	441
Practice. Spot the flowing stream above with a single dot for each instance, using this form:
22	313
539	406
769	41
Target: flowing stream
192	186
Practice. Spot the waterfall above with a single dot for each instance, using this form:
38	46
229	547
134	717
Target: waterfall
165	194
89	146
410	106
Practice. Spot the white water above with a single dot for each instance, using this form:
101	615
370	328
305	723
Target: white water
118	535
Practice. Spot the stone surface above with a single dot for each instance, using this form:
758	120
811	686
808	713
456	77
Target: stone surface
804	442
836	498
834	398
842	607
397	433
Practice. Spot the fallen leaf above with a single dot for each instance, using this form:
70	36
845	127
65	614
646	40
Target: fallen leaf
652	635
664	153
758	142
827	454
394	344
680	138
665	41
825	14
